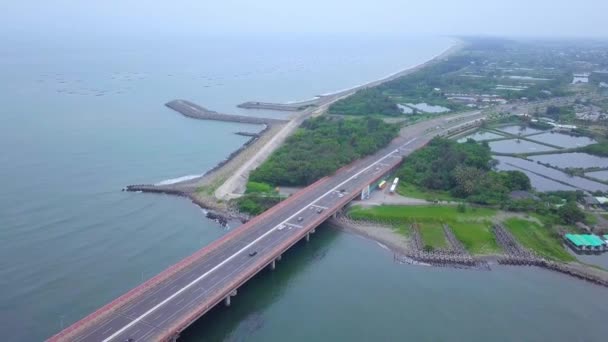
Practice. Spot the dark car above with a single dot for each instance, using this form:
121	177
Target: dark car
253	253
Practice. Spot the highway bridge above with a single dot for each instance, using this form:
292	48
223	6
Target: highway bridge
162	307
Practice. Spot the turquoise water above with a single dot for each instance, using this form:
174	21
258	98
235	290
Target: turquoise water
82	118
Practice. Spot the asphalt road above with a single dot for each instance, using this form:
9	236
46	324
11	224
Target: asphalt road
171	304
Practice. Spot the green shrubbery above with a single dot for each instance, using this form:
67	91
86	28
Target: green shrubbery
258	198
321	146
366	102
465	170
599	149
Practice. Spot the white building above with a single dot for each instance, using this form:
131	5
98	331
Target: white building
580	78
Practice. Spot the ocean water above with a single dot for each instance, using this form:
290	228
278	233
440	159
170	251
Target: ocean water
81	119
84	117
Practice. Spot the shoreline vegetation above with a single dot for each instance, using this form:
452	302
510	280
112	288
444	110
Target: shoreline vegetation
398	227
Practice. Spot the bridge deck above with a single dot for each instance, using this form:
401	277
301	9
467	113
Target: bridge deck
166	304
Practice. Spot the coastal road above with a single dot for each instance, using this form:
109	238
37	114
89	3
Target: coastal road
166	304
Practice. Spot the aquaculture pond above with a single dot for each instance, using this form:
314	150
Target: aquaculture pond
563	140
538	182
518	146
535	170
427	108
517	129
564	160
601	175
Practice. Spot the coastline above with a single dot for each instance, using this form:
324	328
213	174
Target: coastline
214	187
404	251
455	47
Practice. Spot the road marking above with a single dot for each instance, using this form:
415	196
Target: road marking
135	321
294	225
107	330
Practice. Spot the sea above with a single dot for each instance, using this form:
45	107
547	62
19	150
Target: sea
82	117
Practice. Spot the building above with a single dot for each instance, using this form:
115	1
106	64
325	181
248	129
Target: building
590	201
585	243
580	78
602	200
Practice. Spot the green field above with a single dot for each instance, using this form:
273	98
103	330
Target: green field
432	235
477	237
410	214
410	190
538	239
472	227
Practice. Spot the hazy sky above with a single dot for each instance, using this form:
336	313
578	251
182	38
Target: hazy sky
491	17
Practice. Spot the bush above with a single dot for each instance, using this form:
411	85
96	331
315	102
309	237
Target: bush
464	170
321	146
570	213
366	102
257	187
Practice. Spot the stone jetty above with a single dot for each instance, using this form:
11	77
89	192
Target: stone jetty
516	254
286	107
195	111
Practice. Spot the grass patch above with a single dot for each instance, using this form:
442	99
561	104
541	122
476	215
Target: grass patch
411	214
472	227
538	238
403	229
590	218
477	237
413	191
432	235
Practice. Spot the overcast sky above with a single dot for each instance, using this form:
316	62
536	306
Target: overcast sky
587	18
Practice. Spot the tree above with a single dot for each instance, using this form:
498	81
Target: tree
570	213
321	146
516	180
467	180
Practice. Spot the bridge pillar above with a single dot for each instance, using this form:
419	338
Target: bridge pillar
314	230
307	237
273	265
280	257
365	193
227	300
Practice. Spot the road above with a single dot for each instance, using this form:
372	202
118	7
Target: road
165	305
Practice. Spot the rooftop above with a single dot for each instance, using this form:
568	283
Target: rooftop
585	240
